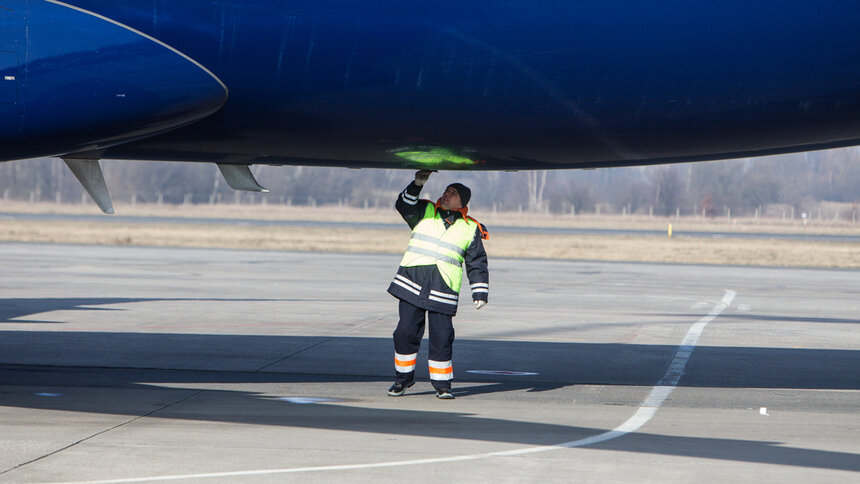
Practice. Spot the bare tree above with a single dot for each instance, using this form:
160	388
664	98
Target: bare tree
668	188
536	186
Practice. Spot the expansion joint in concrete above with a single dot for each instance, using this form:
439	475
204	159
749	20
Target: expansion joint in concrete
123	424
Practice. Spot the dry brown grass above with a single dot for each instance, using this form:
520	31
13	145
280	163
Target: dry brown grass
508	219
679	249
731	251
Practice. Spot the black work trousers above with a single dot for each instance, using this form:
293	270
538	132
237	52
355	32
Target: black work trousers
407	340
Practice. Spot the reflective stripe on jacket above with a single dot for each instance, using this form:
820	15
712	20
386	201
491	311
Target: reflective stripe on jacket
432	244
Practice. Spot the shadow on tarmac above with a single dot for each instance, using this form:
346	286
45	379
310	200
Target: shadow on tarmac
18	308
101	356
117	393
556	363
12	309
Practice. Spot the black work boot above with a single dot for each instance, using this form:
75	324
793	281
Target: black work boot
444	394
399	388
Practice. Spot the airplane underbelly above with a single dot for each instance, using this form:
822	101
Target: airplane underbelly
84	82
510	84
483	84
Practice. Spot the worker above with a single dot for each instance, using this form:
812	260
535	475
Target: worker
428	280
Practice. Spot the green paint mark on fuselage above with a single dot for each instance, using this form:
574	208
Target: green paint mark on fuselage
435	156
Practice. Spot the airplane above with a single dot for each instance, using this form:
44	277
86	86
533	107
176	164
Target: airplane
443	85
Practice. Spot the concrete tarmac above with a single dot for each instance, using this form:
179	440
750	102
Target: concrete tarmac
129	364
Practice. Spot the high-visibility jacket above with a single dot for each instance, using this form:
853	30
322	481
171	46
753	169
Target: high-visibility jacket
431	271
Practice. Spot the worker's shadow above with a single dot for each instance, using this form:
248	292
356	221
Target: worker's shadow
484	388
472	388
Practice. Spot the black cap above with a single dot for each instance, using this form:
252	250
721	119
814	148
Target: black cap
463	191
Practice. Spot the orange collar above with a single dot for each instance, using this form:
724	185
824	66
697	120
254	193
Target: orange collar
464	211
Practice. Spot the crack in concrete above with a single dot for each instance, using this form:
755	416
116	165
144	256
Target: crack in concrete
42	457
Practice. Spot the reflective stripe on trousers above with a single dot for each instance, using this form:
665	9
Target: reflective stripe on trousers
441	370
405	363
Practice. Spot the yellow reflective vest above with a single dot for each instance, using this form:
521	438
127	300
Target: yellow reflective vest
432	244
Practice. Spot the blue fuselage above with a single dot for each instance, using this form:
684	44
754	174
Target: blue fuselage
501	84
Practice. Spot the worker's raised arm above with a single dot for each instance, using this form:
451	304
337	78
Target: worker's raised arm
408	205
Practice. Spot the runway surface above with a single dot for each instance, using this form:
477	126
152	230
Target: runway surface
129	364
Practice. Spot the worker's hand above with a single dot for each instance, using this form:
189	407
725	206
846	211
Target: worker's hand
479	304
422	176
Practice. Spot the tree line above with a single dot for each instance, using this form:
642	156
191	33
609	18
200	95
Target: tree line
787	184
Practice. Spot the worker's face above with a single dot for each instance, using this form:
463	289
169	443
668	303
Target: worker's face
451	199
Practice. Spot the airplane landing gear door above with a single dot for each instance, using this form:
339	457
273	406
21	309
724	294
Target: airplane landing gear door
9	73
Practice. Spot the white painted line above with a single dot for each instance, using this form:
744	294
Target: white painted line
306	400
646	411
